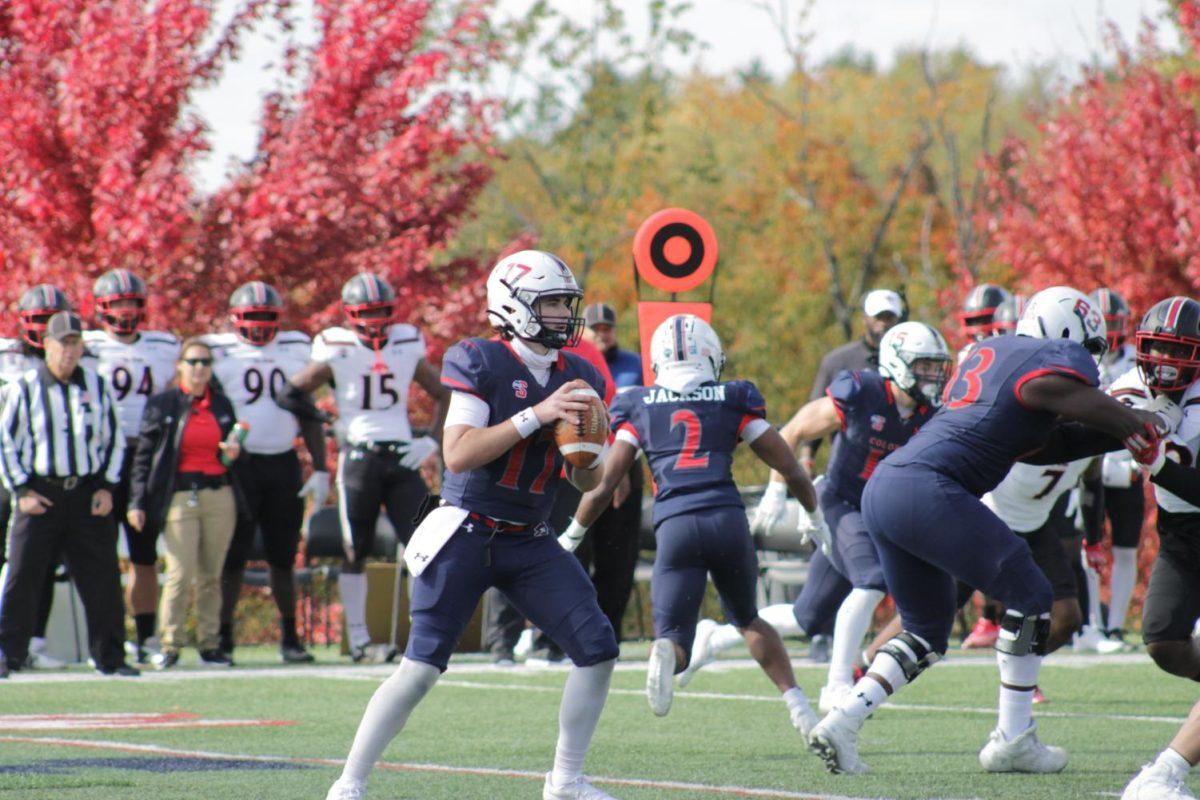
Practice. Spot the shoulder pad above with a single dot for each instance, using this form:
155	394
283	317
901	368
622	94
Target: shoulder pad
293	337
162	337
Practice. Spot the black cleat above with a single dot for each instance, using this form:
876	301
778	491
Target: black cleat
295	654
121	670
215	658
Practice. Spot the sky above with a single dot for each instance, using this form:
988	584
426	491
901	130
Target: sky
1016	33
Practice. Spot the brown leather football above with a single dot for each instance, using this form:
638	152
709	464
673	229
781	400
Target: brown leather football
581	442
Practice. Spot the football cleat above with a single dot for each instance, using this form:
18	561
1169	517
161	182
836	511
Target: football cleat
1114	641
1156	782
295	654
984	634
215	658
804	719
346	789
165	659
578	789
832	696
1087	639
835	741
660	676
1022	754
702	651
37	659
1039	696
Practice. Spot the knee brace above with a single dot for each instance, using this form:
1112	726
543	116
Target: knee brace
1022	634
912	653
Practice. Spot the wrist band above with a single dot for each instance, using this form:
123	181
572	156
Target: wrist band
526	422
575	530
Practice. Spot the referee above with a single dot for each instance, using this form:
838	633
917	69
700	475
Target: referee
61	449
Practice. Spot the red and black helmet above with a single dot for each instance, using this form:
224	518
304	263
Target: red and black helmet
109	290
979	310
1168	344
1004	321
1118	319
36	307
370	306
255	309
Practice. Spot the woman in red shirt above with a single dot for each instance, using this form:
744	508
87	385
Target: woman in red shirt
180	484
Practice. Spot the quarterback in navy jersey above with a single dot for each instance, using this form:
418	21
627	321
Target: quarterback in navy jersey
924	514
688	424
502	469
872	413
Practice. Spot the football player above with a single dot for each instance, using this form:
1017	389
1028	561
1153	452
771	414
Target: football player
1120	488
370	365
922	509
252	364
34	308
137	364
688	424
502	471
873	413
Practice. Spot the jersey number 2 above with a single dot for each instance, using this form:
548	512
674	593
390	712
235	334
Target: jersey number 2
959	395
687	458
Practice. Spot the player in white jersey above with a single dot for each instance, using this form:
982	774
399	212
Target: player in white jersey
137	364
370	365
35	308
252	365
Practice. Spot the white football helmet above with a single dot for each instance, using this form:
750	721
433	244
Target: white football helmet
1061	312
899	350
514	288
685	352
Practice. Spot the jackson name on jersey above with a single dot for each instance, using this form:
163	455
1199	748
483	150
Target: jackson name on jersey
252	376
372	402
135	371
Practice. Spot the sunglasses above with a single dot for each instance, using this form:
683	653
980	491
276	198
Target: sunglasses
198	362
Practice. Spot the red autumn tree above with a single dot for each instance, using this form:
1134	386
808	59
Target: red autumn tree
370	165
1109	194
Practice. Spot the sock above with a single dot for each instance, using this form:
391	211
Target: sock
724	637
386	714
853	619
782	618
1124	576
795	699
1170	760
1016	705
1095	619
866	696
582	701
353	589
287	632
145	624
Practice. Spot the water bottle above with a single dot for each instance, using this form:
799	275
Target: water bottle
236	434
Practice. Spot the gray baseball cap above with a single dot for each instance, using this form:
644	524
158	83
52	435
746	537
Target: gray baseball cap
64	324
599	314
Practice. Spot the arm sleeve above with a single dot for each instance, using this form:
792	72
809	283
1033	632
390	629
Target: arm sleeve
463	369
300	405
467	409
1069	441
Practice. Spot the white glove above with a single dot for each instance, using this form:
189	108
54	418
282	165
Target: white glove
572	536
1168	412
417	451
771	508
813	526
316	487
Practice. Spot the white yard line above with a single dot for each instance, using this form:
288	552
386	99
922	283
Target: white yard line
673	786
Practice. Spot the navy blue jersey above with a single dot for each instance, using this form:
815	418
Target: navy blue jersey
689	440
982	426
518	486
871	429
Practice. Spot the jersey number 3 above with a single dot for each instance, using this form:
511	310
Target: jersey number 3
965	386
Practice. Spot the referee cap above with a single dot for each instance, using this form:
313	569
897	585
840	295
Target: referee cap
599	314
64	324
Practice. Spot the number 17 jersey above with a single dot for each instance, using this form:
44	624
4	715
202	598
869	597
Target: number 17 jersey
983	427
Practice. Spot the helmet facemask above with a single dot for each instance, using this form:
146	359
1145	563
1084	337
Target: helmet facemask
121	319
371	321
552	332
256	325
1167	363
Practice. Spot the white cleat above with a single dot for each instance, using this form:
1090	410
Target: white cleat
578	789
1023	754
660	676
1087	640
41	660
702	651
1156	782
832	696
346	789
835	741
804	719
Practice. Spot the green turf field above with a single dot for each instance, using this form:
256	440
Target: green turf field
485	733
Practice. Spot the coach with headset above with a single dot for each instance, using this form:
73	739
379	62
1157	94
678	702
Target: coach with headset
61	450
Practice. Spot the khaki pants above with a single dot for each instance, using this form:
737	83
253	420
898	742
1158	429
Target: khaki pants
196	539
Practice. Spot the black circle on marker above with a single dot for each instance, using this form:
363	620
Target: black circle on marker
659	243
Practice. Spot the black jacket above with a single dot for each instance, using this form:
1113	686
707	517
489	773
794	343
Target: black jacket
156	461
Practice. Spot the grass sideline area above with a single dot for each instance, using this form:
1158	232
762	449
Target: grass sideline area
489	733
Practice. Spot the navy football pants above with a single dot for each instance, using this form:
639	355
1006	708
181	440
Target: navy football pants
929	530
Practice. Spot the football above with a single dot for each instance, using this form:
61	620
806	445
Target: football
582	441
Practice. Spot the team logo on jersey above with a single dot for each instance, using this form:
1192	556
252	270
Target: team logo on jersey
877	422
520	389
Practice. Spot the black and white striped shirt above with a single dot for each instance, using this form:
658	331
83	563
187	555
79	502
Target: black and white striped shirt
51	429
